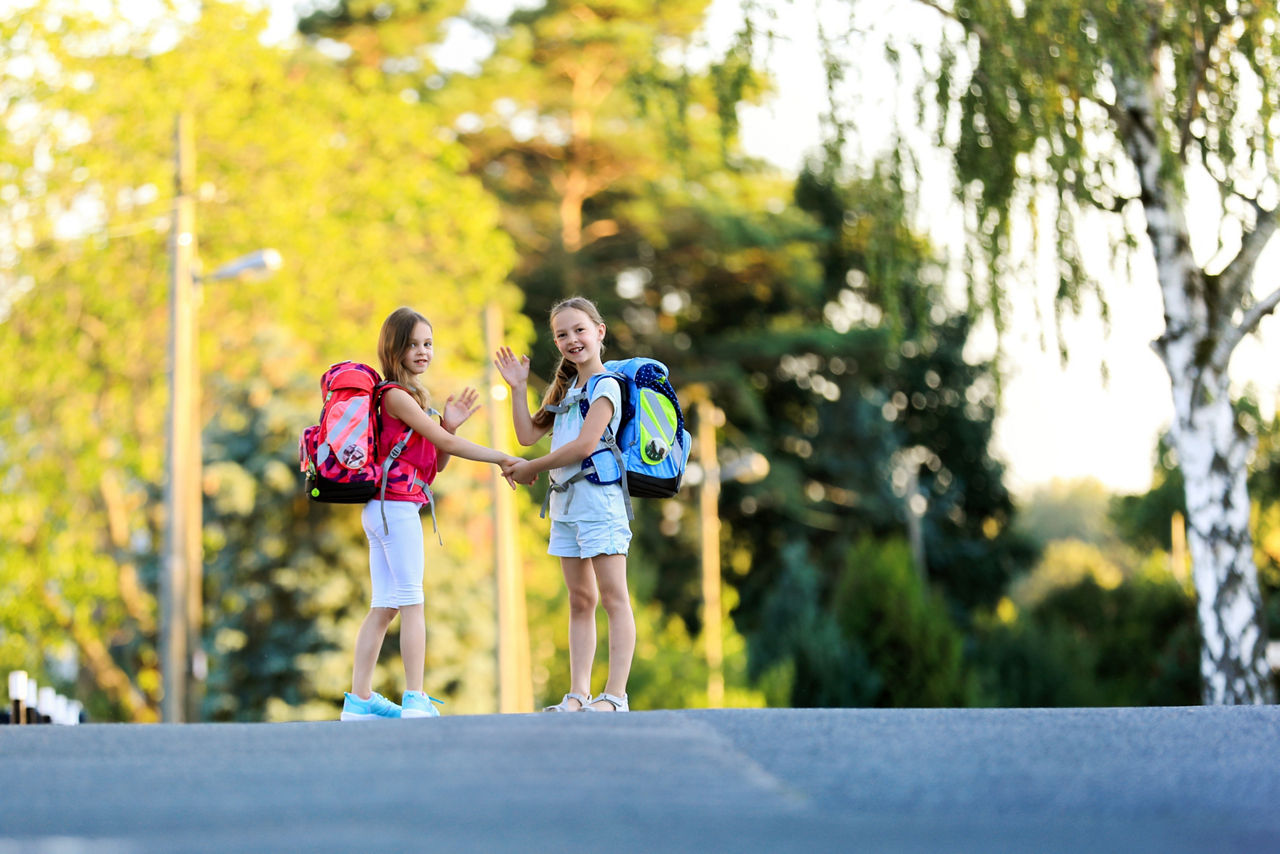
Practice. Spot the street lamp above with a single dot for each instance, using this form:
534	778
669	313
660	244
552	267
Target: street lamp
181	656
254	264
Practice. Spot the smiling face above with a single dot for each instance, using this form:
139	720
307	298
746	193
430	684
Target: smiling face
577	337
417	353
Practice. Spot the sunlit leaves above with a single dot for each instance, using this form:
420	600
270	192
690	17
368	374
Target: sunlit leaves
361	194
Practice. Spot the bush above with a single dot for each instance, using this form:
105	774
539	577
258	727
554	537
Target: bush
886	611
1136	644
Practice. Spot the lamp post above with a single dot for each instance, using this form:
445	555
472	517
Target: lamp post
181	580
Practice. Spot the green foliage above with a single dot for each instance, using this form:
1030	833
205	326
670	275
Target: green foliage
1066	563
364	199
282	580
799	652
1145	520
1264	487
882	605
1037	99
1135	644
582	159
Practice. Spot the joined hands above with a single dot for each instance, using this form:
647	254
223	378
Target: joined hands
520	471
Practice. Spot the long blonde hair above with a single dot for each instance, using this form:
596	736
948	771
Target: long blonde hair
565	372
393	342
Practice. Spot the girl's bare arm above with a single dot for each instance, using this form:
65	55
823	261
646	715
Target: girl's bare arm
516	372
400	404
593	427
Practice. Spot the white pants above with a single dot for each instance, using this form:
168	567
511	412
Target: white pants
395	558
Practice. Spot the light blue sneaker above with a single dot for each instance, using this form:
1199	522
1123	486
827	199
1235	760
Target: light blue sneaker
376	708
419	705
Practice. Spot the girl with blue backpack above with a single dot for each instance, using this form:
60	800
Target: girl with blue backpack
590	532
391	520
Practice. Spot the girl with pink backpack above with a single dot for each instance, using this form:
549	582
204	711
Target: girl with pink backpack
391	520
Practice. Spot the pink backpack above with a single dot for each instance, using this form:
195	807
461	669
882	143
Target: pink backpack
339	456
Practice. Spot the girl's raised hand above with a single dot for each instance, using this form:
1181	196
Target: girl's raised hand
458	408
514	370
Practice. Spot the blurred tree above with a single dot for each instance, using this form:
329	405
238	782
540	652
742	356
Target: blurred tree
1132	644
1066	114
884	607
808	313
388	40
370	207
1065	563
281	614
877	429
1146	520
574	123
1264	487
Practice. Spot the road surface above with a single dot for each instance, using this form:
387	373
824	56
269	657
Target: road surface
778	780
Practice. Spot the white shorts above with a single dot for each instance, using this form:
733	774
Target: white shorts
395	558
588	539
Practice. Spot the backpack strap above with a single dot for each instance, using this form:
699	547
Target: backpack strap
563	486
581	474
392	455
558	409
607	439
612	444
396	450
584	402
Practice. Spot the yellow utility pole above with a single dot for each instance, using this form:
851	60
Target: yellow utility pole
515	686
1178	546
709	417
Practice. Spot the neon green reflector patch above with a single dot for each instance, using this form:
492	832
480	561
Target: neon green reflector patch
657	426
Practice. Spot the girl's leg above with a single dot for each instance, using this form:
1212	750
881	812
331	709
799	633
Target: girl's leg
413	645
382	608
368	644
401	582
611	575
580	580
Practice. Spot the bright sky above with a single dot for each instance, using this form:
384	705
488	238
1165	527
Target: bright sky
1057	422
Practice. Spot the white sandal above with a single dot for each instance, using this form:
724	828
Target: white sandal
563	705
619	704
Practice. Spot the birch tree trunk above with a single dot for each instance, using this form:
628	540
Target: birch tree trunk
1201	332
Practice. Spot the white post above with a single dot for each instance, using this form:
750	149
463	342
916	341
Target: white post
33	702
17	696
47	696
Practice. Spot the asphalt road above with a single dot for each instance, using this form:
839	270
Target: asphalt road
807	780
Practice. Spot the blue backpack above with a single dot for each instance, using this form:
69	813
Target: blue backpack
649	453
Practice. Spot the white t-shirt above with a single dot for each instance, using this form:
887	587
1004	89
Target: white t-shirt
590	501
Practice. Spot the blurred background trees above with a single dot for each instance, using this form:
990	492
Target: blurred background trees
882	560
